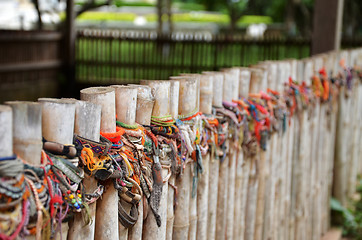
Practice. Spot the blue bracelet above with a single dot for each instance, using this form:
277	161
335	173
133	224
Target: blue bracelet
13	157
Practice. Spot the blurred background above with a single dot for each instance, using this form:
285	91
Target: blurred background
55	47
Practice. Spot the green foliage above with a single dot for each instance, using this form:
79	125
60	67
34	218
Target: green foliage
349	218
249	19
188	6
122	3
119	3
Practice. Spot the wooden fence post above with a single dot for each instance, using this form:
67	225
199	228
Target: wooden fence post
107	207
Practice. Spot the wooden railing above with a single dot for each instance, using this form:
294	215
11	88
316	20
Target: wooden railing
30	63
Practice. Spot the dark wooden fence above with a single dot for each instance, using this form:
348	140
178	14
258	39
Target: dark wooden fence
104	57
30	63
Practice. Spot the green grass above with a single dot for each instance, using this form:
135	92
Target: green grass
177	18
107	16
104	61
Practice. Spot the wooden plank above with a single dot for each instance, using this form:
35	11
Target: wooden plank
30	66
29	36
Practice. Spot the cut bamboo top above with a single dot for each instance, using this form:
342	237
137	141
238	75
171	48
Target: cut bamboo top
236	82
187	95
6	131
87	120
105	97
27	132
197	77
244	82
293	70
145	102
308	71
255	80
318	64
206	90
228	87
126	101
330	62
161	90
218	85
284	71
58	120
174	98
300	71
272	74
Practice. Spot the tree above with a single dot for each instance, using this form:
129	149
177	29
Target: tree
91	4
164	11
235	9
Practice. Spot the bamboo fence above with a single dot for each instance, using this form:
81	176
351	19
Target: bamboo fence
243	153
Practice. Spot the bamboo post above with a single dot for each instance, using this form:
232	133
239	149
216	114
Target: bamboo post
329	112
145	102
197	77
126	101
255	198
269	191
242	169
283	161
287	147
231	83
302	167
257	76
206	90
58	126
260	82
317	159
106	226
186	206
228	89
223	182
87	124
161	109
354	129
161	90
233	91
277	162
193	199
27	134
6	131
244	82
217	82
218	85
174	99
